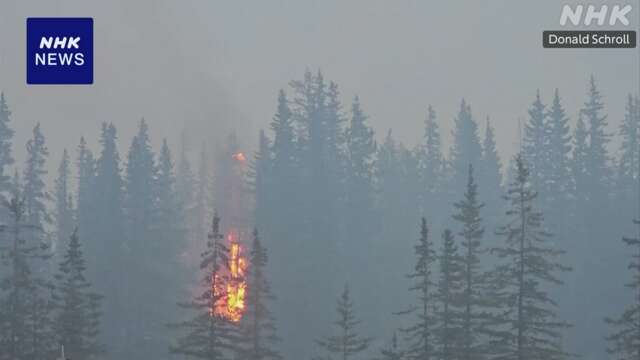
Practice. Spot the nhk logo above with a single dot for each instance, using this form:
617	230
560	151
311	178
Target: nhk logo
591	14
59	51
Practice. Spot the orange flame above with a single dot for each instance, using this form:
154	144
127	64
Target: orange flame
232	302
239	157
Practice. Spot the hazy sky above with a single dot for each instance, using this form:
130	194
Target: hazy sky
215	66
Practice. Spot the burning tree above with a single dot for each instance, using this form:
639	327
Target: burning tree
209	334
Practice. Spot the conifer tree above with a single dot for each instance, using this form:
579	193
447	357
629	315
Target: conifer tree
259	330
629	164
450	318
77	320
169	223
597	161
360	216
559	154
535	143
34	191
86	175
64	207
420	335
625	339
393	351
106	247
490	177
475	313
140	190
466	148
347	343
579	167
207	335
528	265
6	157
25	326
432	165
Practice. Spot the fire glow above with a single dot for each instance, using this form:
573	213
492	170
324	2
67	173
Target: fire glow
233	286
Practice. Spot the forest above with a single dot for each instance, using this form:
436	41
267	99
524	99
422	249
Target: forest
331	240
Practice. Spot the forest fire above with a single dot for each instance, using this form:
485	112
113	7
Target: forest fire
233	286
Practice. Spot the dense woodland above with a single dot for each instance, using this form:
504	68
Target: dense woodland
356	248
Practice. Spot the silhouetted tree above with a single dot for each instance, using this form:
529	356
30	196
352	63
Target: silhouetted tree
347	343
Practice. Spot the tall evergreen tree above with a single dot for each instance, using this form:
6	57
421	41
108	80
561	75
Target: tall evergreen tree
559	154
579	166
259	330
625	339
466	148
202	197
432	165
34	191
629	164
207	335
64	216
598	160
420	334
347	343
25	327
140	190
6	157
528	266
490	177
476	312
77	320
106	248
86	170
535	141
449	329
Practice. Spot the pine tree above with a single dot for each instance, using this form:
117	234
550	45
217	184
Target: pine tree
535	143
77	320
528	266
25	326
597	161
86	166
347	343
466	147
490	177
169	222
475	313
625	339
629	164
64	206
6	157
259	331
579	165
420	335
360	216
393	351
106	247
140	190
207	335
432	165
34	191
559	153
450	318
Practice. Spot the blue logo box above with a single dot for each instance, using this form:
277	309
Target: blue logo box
59	51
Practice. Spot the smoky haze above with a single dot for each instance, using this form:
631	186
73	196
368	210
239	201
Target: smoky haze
205	69
213	67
